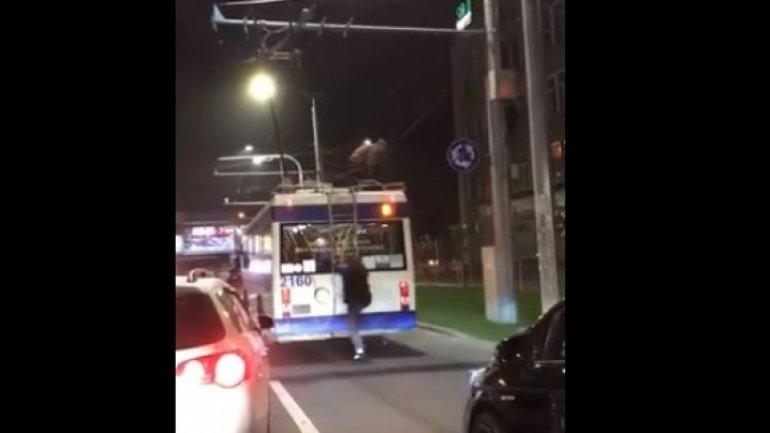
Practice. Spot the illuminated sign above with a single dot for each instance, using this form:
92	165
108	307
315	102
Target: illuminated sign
463	14
216	231
207	240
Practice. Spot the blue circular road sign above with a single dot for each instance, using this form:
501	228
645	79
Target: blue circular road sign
463	155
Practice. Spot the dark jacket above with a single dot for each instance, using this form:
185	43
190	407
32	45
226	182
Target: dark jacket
355	283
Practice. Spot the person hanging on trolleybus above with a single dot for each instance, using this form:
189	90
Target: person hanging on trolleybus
357	296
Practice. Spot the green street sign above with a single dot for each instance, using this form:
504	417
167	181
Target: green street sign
463	14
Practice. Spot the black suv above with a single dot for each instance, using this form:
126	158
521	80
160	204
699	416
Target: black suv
522	389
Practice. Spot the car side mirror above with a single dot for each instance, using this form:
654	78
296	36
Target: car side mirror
517	348
265	322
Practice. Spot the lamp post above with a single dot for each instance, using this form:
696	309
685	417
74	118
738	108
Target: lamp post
259	159
262	89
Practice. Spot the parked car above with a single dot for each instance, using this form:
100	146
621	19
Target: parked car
522	389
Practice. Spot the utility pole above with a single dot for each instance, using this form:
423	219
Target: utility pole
462	180
506	304
538	140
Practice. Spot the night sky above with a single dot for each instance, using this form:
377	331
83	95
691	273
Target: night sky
396	87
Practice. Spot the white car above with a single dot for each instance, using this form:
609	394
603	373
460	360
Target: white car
222	371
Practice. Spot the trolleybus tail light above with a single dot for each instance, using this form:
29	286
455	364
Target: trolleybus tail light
286	301
403	291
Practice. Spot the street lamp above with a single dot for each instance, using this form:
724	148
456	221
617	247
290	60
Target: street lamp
262	89
248	149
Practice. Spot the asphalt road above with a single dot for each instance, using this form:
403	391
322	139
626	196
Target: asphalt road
414	382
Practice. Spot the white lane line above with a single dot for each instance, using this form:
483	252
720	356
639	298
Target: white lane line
297	414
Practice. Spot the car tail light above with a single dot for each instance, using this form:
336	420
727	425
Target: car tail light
228	369
403	290
192	371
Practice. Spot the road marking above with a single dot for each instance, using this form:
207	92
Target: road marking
297	414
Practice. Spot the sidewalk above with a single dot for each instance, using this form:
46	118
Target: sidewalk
459	311
487	344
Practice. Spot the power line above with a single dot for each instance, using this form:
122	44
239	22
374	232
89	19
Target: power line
423	116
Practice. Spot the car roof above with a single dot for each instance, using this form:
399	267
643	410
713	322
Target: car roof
203	284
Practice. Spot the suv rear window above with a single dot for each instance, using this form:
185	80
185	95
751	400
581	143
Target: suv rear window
197	321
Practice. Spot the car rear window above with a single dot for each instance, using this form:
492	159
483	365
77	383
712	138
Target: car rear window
197	321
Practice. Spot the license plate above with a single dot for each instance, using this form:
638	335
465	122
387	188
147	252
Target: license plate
300	309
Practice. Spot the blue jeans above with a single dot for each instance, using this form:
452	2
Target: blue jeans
354	314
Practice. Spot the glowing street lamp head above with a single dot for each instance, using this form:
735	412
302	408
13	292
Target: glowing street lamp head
261	87
248	148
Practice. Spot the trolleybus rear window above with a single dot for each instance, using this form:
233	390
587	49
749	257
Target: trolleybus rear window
310	248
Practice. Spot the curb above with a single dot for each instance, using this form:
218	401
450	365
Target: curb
447	284
454	333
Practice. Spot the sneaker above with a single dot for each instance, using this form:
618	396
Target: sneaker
359	356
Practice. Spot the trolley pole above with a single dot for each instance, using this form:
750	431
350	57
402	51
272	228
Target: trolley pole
316	146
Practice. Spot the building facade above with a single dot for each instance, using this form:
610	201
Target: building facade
468	75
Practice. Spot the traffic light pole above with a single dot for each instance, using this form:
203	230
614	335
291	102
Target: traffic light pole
506	310
218	19
538	140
